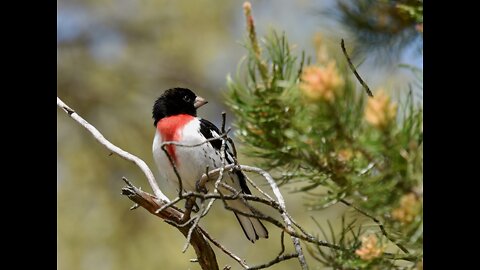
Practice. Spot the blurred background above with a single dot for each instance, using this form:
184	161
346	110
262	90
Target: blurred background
114	58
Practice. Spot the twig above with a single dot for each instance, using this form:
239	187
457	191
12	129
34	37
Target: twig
225	250
290	231
380	225
219	195
135	206
234	150
224	118
257	188
234	196
167	205
189	203
274	261
286	218
172	162
298	226
305	236
180	224
282	243
115	149
410	258
352	67
220	136
190	231
219	179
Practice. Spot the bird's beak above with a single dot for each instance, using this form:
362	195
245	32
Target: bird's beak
199	102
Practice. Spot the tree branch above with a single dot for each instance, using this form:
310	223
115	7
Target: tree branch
274	261
205	254
225	250
115	149
286	218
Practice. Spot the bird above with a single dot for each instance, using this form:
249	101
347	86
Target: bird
175	119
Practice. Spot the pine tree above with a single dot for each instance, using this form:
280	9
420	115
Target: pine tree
309	122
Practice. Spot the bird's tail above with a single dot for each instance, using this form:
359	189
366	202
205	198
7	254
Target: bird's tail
252	227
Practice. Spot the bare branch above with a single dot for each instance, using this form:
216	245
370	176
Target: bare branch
180	182
234	150
274	261
223	135
257	188
135	206
224	116
282	243
167	205
192	228
286	218
290	230
225	250
205	254
115	149
352	67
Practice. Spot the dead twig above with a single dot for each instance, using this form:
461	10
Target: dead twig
354	70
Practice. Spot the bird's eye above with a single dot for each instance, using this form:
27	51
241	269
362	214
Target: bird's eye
187	99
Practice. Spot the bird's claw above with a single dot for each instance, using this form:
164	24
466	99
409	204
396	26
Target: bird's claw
200	188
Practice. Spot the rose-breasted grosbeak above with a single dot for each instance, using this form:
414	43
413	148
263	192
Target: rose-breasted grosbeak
175	119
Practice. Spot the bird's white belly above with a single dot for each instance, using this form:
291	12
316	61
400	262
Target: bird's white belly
191	163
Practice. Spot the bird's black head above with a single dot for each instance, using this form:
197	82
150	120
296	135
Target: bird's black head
176	101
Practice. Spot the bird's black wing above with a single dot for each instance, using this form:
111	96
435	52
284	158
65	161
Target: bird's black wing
209	130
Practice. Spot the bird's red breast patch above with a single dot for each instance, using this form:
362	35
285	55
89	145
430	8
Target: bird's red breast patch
170	128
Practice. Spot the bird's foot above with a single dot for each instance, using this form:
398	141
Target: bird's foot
200	188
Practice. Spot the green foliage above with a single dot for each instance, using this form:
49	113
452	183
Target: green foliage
350	240
414	9
262	104
336	147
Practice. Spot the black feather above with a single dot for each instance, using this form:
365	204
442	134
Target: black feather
206	128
